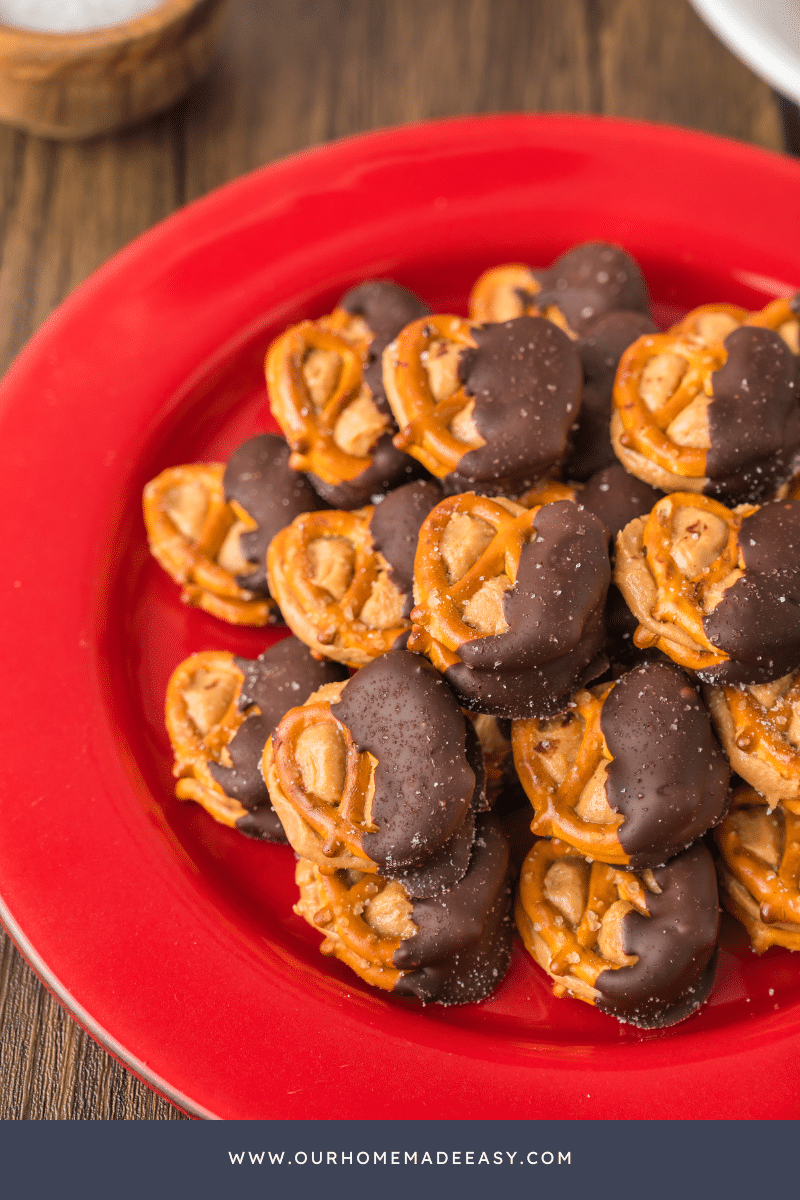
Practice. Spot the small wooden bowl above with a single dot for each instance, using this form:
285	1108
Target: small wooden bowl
78	85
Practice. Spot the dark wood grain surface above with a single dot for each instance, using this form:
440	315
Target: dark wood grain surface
292	74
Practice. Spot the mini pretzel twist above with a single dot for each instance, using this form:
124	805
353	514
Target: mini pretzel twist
189	524
682	599
439	626
555	804
333	626
340	825
202	716
758	731
645	429
310	428
760	851
570	917
335	903
503	293
424	420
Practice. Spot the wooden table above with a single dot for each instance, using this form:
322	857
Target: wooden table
291	75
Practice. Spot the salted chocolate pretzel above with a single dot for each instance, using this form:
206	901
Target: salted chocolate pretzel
326	393
759	726
220	711
719	418
343	578
630	774
505	292
640	946
381	775
452	948
509	601
716	589
194	535
760	869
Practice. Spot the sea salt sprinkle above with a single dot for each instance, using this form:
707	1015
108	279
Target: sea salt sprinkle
72	16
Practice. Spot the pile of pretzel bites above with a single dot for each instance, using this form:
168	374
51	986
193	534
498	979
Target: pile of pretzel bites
542	571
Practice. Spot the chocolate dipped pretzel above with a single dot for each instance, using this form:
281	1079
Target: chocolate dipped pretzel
343	578
716	589
509	602
220	711
447	949
711	323
759	727
326	393
505	292
487	407
760	869
720	419
194	534
382	775
639	946
631	774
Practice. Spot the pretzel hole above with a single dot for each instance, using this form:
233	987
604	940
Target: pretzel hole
383	608
321	755
790	332
593	804
690	427
463	542
186	506
484	609
660	378
321	371
230	556
559	744
332	564
714	327
610	941
463	426
359	426
698	538
768	694
208	696
760	832
440	361
389	912
566	886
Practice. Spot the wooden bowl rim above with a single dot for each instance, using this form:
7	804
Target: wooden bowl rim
34	41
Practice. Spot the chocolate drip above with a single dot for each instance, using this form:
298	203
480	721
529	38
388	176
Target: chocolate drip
395	526
754	417
263	825
463	942
386	308
669	777
389	469
757	622
617	497
259	478
526	378
400	709
591	280
675	945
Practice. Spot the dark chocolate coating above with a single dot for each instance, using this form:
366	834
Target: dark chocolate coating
757	622
259	478
444	869
386	308
600	349
282	677
389	469
555	622
754	418
395	526
462	947
675	945
617	497
526	378
593	279
668	777
400	709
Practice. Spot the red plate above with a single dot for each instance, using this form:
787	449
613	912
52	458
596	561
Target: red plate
171	938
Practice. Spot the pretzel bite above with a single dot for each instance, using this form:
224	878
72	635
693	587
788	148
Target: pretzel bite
486	407
631	774
448	949
716	589
220	710
760	870
509	602
711	323
718	418
326	393
380	775
343	579
639	946
503	293
759	727
194	535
